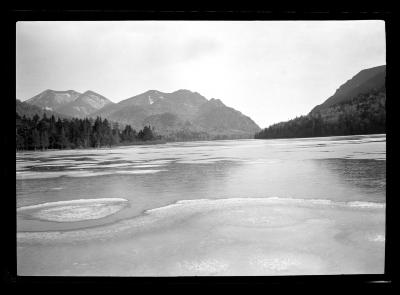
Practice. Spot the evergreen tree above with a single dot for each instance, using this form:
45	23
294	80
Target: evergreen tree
62	140
146	133
35	139
44	139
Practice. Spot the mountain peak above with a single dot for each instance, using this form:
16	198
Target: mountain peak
216	102
53	99
152	91
88	92
84	104
69	102
183	91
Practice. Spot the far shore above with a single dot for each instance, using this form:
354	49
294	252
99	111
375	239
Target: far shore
146	142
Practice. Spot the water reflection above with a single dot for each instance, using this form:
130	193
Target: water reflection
366	174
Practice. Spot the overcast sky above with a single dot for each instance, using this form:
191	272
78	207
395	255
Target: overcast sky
270	71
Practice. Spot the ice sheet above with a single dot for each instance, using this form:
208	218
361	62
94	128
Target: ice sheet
242	236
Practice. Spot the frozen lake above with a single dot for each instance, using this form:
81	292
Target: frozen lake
234	207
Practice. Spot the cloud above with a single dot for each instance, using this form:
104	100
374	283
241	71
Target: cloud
200	47
268	70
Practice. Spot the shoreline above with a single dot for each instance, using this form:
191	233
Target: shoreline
148	142
163	141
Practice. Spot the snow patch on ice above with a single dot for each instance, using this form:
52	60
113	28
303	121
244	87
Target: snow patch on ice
148	171
74	210
282	262
366	204
377	238
207	266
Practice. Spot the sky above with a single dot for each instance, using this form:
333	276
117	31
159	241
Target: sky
271	71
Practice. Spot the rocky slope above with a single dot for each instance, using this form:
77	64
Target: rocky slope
85	104
52	100
70	103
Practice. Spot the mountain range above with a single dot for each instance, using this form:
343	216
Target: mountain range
179	115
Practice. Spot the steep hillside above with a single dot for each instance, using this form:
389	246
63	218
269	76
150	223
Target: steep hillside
357	107
216	117
363	82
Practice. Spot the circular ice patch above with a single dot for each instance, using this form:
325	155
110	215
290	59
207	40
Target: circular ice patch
74	210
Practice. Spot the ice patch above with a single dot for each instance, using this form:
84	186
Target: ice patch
112	165
282	262
156	162
266	201
22	175
377	238
75	210
203	267
274	263
366	204
147	166
201	161
38	175
149	171
90	166
261	161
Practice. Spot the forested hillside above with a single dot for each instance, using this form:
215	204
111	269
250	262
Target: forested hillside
363	114
357	107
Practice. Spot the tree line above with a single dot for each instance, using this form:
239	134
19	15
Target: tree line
364	114
48	133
